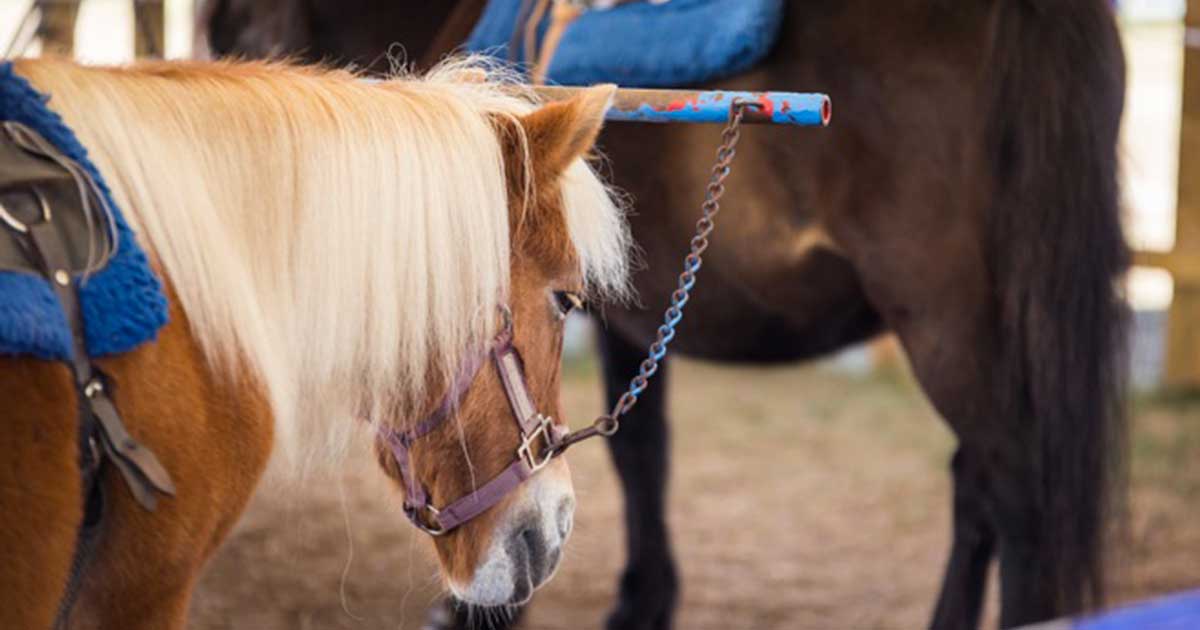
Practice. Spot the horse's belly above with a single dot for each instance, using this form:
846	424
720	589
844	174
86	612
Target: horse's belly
745	309
773	286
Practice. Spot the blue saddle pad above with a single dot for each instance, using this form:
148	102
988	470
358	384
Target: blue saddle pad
682	42
123	304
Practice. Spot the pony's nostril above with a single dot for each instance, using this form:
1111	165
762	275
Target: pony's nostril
530	555
537	554
531	539
565	517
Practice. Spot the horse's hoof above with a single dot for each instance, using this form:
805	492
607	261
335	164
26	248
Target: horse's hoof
622	618
645	604
451	614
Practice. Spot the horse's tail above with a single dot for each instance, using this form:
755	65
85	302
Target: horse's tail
1058	253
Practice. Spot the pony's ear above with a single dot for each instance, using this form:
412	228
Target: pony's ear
559	133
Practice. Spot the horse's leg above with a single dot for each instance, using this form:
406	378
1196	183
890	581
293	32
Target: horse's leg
948	351
640	453
1005	488
941	309
1024	595
159	606
214	435
40	504
961	599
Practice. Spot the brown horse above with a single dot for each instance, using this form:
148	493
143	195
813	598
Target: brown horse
334	250
965	199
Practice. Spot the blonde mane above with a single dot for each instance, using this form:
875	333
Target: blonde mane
346	242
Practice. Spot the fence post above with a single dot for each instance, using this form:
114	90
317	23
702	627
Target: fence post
1183	322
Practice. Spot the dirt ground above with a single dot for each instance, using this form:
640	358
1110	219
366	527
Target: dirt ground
847	477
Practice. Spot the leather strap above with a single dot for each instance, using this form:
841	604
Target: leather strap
512	375
485	496
143	473
535	429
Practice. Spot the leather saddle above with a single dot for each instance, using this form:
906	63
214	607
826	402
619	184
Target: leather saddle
38	184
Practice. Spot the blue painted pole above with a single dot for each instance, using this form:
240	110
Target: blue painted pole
684	106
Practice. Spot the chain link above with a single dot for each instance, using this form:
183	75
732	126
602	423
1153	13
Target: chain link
608	425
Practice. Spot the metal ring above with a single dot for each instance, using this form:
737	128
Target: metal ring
607	425
414	515
15	224
20	226
506	317
92	388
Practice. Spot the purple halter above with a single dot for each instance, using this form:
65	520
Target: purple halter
534	427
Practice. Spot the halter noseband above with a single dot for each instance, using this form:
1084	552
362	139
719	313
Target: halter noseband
534	427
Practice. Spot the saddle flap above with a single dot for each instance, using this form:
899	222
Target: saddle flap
37	188
19	167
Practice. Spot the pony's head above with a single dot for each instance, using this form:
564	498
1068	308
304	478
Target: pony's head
380	251
499	507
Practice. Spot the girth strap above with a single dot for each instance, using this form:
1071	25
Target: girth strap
140	468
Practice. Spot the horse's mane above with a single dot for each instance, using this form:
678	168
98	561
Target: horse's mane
346	242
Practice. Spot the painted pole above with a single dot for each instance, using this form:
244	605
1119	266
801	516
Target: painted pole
683	106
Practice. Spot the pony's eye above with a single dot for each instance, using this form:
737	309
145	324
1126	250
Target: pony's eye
566	302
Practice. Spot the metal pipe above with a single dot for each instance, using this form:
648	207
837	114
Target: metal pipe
684	106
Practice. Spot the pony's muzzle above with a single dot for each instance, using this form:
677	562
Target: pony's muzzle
534	559
528	545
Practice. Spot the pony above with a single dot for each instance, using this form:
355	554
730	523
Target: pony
333	251
965	199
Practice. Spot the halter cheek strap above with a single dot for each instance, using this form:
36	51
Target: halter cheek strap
535	428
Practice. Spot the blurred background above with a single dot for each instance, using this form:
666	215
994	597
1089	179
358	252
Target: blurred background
846	451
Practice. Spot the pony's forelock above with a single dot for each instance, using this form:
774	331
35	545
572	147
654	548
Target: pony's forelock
595	214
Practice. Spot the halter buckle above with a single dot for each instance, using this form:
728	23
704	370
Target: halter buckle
544	431
415	513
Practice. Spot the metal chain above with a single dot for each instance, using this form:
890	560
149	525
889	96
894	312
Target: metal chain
607	425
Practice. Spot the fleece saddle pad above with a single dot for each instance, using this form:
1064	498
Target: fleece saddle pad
681	42
122	304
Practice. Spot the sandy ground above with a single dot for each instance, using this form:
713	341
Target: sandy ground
845	474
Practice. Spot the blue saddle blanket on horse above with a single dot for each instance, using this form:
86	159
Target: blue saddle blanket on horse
681	42
123	304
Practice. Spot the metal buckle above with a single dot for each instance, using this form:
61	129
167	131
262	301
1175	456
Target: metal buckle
414	515
93	387
506	319
544	429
